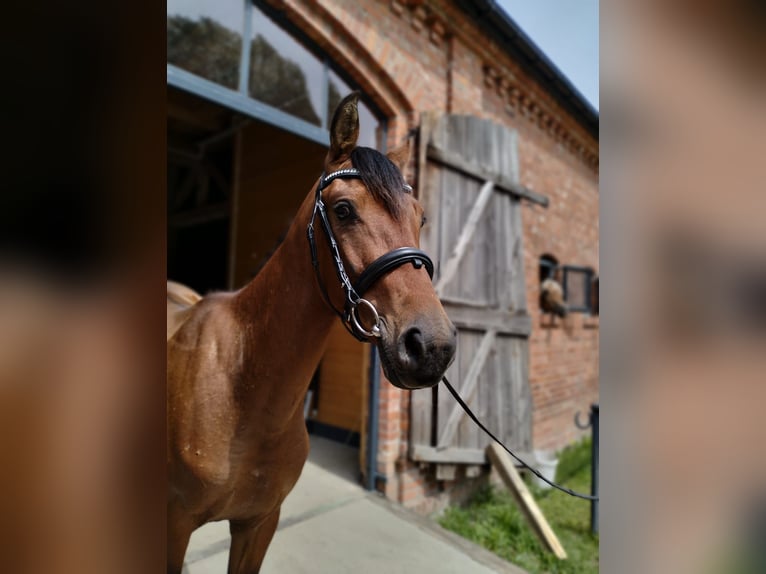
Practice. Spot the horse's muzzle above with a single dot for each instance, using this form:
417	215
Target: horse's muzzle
419	357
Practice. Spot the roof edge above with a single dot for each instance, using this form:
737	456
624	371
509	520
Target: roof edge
490	16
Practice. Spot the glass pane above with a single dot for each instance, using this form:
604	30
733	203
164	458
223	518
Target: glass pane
283	73
368	128
205	38
576	288
338	88
368	123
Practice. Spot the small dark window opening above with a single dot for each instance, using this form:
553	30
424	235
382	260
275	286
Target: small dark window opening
548	265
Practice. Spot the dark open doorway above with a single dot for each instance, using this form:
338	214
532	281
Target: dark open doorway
200	188
234	186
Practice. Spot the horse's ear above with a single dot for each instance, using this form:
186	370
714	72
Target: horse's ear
400	156
344	128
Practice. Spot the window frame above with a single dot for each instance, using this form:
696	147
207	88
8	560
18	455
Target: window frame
589	273
240	100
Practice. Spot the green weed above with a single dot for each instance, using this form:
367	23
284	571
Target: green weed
493	520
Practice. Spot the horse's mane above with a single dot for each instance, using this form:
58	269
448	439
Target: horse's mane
182	295
180	300
380	176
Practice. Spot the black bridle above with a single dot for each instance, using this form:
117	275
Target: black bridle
377	269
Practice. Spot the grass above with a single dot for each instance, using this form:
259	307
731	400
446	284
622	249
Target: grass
493	520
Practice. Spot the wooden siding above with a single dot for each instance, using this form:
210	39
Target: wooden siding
475	234
274	172
342	381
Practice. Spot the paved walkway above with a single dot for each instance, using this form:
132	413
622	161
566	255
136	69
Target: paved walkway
331	525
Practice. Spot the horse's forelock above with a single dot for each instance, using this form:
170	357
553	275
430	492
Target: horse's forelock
381	177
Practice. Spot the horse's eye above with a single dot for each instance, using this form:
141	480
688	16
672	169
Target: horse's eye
343	210
423	221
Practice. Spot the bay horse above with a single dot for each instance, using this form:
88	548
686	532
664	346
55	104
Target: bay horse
239	364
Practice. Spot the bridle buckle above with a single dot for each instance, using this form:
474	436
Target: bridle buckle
357	324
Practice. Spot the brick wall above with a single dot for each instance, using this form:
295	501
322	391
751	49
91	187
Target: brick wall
416	56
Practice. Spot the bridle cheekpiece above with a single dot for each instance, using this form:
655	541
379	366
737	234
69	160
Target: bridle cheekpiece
381	266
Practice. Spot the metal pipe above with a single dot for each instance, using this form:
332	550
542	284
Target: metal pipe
594	468
593	424
372	421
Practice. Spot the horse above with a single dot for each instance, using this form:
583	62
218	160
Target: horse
552	297
239	363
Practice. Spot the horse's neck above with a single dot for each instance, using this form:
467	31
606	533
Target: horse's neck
283	319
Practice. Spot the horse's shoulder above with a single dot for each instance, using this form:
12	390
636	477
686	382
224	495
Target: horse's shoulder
207	343
208	316
202	410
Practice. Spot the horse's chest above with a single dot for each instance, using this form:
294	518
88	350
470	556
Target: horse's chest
263	482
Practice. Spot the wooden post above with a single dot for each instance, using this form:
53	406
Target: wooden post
507	471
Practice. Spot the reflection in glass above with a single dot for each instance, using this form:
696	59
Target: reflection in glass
283	73
205	38
337	89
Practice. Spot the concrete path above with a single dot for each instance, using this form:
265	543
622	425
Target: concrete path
331	525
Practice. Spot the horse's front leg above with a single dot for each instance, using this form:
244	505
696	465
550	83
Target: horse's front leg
179	529
249	543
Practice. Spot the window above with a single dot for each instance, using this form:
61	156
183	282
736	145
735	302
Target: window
548	266
272	67
576	282
205	38
283	73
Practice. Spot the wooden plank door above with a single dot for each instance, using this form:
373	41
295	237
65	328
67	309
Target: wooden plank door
468	184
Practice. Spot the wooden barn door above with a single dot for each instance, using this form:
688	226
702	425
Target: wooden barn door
468	185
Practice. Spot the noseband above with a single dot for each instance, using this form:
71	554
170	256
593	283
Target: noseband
377	269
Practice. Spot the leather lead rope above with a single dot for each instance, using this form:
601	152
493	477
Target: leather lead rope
509	451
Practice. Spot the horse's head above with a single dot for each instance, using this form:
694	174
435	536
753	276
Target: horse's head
372	212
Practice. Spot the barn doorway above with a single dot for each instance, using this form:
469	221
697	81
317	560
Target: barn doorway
234	185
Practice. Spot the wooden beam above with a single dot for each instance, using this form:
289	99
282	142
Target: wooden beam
200	215
453	161
504	322
469	386
178	111
231	264
505	467
457	455
448	455
466	234
465	302
184	190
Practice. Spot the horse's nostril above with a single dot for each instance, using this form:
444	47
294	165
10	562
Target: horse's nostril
414	345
